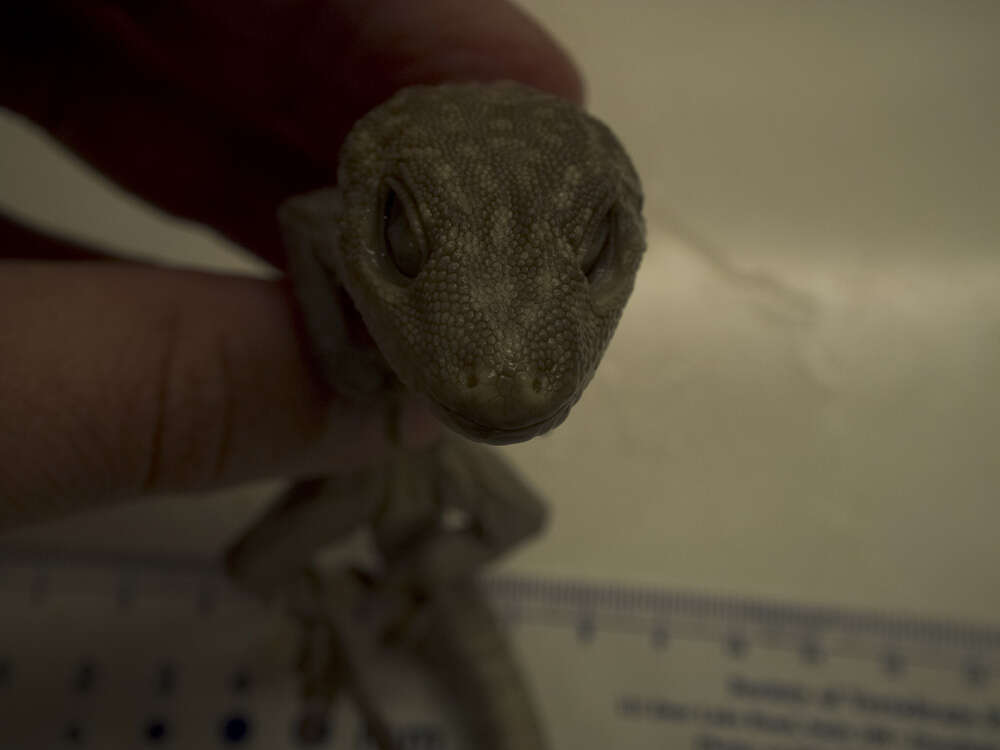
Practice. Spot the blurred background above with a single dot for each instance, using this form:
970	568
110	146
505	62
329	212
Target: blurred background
800	404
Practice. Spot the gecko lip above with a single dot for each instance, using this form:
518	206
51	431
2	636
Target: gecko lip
500	435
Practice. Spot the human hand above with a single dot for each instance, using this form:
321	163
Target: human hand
121	379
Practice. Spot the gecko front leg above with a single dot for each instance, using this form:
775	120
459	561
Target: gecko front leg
274	559
465	645
482	510
437	517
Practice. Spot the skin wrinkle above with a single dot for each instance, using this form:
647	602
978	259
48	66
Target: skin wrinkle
225	412
200	400
195	406
157	444
117	372
53	384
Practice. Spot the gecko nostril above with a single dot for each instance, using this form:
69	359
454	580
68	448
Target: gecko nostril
536	385
472	380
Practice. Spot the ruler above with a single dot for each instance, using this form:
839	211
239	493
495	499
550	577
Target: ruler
110	652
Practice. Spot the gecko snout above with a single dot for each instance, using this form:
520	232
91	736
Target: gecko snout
509	399
505	405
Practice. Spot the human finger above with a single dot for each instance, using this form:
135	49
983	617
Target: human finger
216	111
119	379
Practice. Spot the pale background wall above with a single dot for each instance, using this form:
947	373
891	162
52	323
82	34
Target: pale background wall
801	401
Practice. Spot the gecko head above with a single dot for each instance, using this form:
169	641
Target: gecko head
490	238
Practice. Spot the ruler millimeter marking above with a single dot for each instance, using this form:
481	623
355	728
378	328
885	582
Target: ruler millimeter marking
590	608
108	651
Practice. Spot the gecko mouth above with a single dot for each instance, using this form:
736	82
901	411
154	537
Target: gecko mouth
497	434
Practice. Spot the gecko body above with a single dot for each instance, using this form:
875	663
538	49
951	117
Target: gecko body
487	236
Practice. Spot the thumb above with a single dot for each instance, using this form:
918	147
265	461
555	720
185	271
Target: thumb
118	379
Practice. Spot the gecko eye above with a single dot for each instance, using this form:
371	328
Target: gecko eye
598	247
402	243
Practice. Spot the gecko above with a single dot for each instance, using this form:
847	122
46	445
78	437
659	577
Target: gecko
478	248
